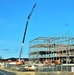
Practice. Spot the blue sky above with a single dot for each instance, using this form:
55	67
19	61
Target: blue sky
49	18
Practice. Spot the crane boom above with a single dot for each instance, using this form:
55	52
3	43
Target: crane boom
25	31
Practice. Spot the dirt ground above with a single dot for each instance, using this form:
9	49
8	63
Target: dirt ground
18	73
37	73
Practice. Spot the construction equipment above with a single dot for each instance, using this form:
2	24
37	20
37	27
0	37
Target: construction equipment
21	61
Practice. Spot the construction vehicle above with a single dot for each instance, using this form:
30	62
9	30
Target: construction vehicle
20	61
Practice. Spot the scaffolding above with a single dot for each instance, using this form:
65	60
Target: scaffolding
58	50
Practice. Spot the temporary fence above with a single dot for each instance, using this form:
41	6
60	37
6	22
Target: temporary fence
57	70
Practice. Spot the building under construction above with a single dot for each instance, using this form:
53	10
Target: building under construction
59	50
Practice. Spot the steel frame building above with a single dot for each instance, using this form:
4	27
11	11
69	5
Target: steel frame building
52	48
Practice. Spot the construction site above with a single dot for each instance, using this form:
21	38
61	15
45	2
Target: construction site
57	50
47	55
57	53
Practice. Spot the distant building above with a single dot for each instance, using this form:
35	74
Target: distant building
11	61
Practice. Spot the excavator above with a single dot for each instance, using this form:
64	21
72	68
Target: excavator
20	61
